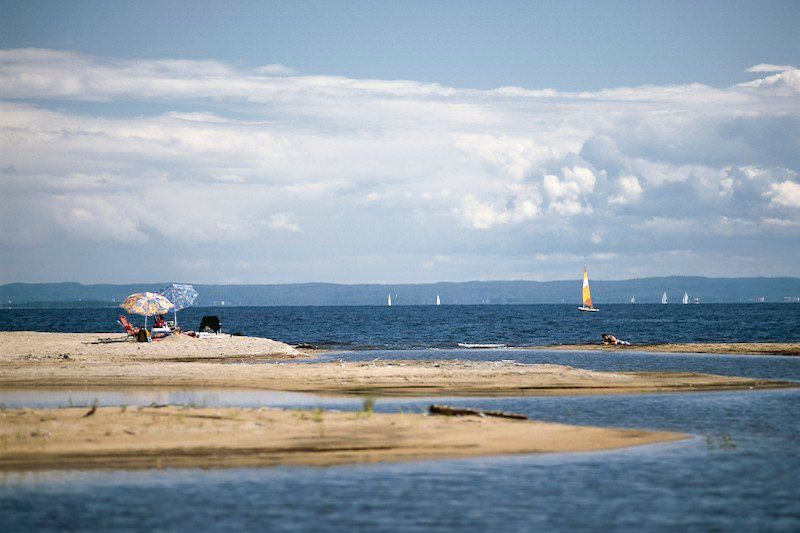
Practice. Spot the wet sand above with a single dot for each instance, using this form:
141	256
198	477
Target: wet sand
731	348
114	437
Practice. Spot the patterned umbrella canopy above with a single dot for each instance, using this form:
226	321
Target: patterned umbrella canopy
146	303
181	296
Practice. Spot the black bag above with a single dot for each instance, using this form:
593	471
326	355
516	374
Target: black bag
210	324
142	335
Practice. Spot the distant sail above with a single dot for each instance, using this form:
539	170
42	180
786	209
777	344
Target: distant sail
438	300
389	301
633	299
664	298
587	296
685	298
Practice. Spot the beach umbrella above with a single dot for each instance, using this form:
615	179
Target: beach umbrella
181	295
147	304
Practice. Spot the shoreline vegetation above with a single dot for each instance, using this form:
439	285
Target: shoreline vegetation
182	436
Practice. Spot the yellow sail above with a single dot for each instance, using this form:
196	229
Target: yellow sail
587	296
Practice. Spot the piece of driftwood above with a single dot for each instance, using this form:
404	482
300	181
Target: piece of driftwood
466	411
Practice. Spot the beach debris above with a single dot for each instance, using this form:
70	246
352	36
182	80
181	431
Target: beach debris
91	411
446	410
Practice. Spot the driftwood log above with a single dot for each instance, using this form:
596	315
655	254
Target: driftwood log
466	411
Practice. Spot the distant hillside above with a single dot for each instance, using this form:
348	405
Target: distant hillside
646	290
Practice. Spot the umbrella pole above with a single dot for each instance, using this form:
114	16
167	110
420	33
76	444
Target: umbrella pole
175	314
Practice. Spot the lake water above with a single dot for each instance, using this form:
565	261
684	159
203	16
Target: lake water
447	326
738	472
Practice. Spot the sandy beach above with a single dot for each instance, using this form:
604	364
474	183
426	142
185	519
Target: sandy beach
31	360
114	437
105	347
732	348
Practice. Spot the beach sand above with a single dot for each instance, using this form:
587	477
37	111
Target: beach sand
149	437
107	347
31	360
740	348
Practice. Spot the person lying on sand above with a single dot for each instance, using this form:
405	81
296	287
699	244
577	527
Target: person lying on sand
611	340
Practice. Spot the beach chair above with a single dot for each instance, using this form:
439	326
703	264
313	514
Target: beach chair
211	323
129	329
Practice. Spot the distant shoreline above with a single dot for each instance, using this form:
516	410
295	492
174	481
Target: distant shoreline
503	292
115	305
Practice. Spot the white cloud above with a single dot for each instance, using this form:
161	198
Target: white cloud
767	67
784	194
485	215
284	221
629	191
788	80
274	69
236	156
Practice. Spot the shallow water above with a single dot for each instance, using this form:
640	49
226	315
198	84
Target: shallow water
405	327
739	472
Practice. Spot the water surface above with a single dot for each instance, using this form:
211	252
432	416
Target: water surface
447	326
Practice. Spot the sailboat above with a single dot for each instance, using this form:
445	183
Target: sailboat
664	298
587	296
389	301
438	300
633	299
685	298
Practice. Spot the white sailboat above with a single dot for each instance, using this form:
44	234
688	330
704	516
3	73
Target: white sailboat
664	298
389	301
685	298
438	300
587	296
633	299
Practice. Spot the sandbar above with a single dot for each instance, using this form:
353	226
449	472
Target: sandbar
32	360
149	437
721	348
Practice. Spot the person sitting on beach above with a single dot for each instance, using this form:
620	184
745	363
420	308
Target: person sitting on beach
158	322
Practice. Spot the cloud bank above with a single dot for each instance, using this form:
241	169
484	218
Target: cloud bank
224	173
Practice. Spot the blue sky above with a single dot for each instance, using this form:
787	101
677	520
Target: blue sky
394	142
563	45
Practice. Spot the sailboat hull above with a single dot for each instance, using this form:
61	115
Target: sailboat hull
588	309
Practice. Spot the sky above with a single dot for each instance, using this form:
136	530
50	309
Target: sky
279	142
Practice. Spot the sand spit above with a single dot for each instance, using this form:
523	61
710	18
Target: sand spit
30	360
388	378
114	437
740	348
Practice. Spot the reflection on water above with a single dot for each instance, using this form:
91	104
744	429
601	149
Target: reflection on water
135	396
